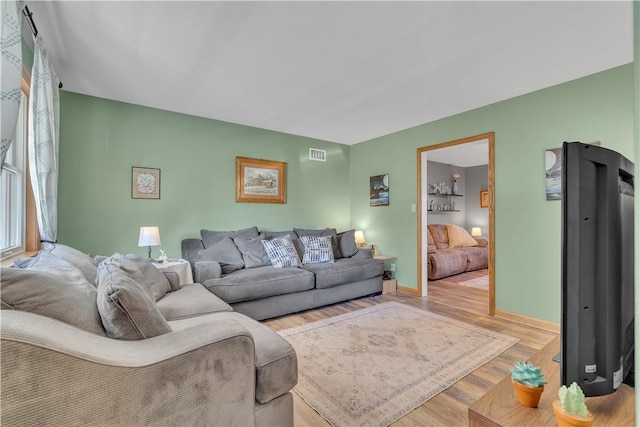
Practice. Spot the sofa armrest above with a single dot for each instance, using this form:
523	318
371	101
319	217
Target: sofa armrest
53	373
205	270
363	253
482	242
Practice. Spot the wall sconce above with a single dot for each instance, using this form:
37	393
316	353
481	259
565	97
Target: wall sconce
476	231
149	236
359	235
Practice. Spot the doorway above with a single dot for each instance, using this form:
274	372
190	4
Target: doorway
423	209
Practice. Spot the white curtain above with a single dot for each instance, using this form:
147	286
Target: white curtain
11	72
44	118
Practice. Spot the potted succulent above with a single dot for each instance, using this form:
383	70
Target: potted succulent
571	409
528	383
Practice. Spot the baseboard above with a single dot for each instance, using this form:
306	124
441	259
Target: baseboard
410	291
531	321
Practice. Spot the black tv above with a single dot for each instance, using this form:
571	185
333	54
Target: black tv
597	334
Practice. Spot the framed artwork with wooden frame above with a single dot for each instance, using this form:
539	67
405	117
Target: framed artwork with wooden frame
260	181
145	183
484	198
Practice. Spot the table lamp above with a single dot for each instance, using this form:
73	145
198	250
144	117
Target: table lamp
359	235
149	236
476	231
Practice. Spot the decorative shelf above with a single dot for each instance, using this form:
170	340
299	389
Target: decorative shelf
443	210
445	194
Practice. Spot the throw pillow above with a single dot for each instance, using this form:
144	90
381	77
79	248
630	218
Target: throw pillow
225	253
210	237
127	311
347	243
53	288
281	252
323	232
459	237
253	253
152	280
317	249
81	260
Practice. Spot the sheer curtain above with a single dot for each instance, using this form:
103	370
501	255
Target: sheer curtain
11	72
44	118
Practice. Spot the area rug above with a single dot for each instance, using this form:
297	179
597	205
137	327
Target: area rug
479	282
375	365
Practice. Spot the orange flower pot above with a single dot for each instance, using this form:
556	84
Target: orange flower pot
528	396
570	420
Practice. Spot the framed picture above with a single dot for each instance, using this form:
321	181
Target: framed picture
379	190
553	167
145	183
260	181
484	198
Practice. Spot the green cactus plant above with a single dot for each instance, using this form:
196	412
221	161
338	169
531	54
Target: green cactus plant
572	400
528	374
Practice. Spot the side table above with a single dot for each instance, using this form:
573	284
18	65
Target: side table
388	285
180	266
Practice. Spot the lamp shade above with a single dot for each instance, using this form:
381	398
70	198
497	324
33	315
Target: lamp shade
476	231
149	236
359	235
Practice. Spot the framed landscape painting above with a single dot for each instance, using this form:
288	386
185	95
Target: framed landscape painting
379	190
145	183
260	181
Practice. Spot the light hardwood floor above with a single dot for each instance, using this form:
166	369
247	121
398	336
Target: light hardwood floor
446	297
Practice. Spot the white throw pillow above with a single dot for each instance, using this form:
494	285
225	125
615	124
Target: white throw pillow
281	252
317	249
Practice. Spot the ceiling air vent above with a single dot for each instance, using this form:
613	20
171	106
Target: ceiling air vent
319	155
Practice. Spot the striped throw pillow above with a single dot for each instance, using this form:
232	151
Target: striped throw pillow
281	252
317	249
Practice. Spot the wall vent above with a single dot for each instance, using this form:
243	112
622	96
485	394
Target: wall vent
316	154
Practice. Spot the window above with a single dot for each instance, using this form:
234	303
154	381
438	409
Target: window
13	189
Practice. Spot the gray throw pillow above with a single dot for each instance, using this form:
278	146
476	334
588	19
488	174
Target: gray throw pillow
323	232
281	252
347	243
127	311
225	253
253	253
210	237
53	288
81	260
152	280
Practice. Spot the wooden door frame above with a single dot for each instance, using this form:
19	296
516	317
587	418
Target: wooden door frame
490	136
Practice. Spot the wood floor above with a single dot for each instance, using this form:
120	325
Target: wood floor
449	298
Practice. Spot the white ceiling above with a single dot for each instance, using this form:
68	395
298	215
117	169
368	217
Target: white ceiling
344	72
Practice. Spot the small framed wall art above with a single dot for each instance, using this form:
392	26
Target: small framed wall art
379	190
145	183
484	198
260	181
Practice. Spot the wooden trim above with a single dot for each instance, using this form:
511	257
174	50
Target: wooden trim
531	321
410	291
490	136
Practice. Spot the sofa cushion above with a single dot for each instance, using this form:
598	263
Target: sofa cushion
281	252
260	282
152	280
210	237
345	270
191	300
53	288
431	245
252	250
225	253
439	234
459	237
81	260
446	262
477	257
126	309
317	249
347	245
322	232
275	359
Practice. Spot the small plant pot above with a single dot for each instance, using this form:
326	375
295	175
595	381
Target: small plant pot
527	396
570	420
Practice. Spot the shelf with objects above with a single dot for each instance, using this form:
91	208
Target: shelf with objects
449	206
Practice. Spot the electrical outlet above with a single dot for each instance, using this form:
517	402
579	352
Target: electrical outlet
392	267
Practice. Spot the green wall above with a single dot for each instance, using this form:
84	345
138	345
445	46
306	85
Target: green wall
527	231
100	140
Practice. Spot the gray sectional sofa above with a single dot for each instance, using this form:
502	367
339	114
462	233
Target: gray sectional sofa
121	344
234	266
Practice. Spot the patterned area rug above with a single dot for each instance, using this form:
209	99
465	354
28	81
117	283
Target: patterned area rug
479	282
375	365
